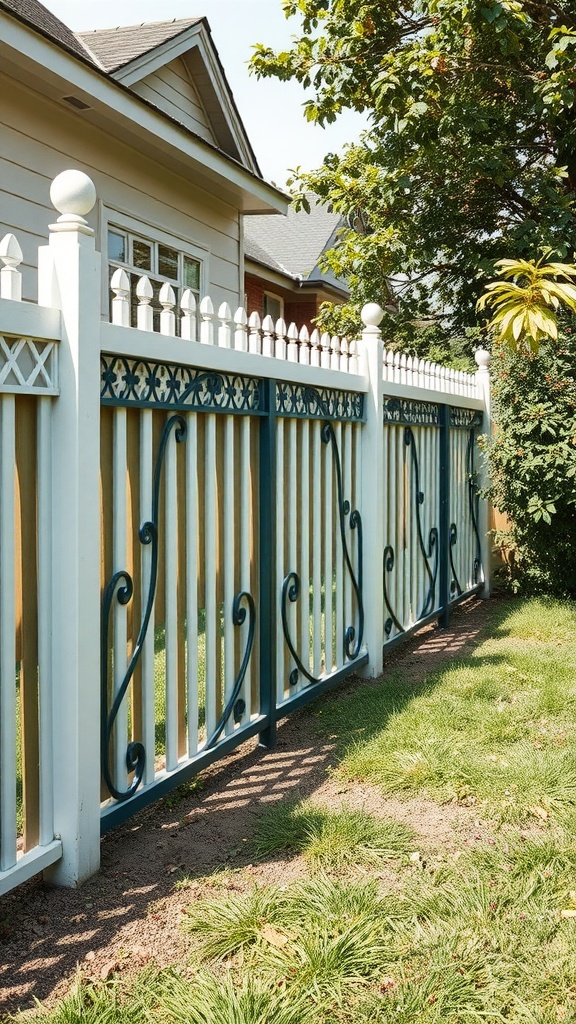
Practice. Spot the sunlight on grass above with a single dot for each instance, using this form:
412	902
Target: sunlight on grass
330	839
468	931
496	729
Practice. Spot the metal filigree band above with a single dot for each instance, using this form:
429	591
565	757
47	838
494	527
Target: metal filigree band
298	400
409	413
139	382
465	419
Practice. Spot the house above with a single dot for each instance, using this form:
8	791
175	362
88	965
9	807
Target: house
282	276
146	111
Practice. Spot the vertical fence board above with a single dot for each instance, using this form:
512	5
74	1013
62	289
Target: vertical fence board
212	633
192	643
280	548
304	526
8	634
171	592
148	710
45	569
27	613
229	563
120	610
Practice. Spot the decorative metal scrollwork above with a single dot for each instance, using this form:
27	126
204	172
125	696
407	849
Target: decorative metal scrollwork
472	503
300	400
427	554
455	587
235	704
121	588
352	640
388	565
148	384
407	412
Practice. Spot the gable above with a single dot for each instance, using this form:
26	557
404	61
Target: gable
194	91
172	90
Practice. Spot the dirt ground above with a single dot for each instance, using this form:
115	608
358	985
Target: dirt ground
129	915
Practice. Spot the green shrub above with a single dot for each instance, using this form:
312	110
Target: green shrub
533	464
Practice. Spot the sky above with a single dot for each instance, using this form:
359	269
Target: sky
271	111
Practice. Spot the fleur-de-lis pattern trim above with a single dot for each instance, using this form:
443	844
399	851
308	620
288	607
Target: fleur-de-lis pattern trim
299	400
147	384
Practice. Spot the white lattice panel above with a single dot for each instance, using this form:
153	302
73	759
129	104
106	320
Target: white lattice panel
28	366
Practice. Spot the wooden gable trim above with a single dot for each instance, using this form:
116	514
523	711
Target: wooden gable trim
195	46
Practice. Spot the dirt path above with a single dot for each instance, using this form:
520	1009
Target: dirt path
129	915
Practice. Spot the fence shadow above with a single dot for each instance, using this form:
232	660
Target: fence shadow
202	828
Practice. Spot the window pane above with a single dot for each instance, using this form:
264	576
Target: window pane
273	307
141	254
191	274
116	246
168	262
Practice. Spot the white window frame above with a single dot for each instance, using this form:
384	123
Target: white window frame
125	223
277	298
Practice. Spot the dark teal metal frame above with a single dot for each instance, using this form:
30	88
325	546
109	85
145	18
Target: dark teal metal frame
444	536
176	389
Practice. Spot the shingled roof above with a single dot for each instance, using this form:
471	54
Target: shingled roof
293	244
44	21
116	47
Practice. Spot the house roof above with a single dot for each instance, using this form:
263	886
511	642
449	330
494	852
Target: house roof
293	244
42	19
135	52
116	47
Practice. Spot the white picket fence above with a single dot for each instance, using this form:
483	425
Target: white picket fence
200	530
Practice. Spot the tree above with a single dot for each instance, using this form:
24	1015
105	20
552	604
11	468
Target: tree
471	151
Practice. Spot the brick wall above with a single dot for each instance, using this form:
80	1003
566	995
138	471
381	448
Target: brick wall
299	307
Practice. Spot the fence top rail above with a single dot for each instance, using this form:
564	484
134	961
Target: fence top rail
401	368
200	322
144	345
27	320
431	395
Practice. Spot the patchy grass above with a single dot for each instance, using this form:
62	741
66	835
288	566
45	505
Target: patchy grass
330	839
496	729
459	933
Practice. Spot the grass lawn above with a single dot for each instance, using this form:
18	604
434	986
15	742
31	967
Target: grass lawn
381	927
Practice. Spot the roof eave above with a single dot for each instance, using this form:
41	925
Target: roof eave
24	46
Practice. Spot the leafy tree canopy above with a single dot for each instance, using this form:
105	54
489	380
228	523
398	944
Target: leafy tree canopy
470	156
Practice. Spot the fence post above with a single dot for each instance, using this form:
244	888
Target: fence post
482	358
372	488
444	485
69	279
268	594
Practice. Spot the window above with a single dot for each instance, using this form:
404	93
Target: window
161	263
273	306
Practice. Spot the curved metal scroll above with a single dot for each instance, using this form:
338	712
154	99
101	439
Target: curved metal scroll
455	585
234	704
472	499
148	534
429	602
388	565
291	585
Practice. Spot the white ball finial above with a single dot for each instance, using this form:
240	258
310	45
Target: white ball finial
372	314
482	357
74	195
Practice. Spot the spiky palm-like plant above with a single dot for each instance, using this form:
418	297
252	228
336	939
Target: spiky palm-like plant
527	301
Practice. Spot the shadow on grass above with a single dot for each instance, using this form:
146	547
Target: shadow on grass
45	933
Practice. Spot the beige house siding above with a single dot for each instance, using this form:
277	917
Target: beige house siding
41	138
172	90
